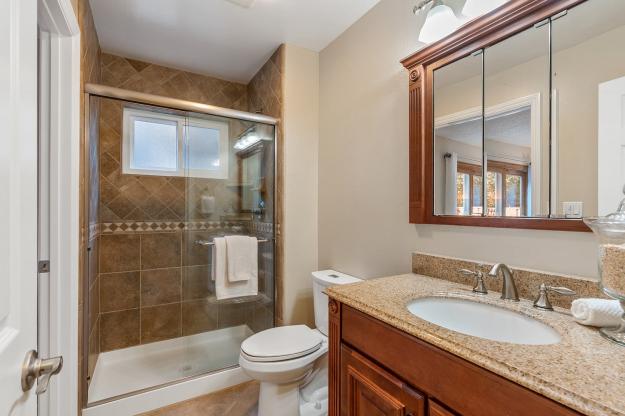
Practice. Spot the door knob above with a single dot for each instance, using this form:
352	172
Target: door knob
35	368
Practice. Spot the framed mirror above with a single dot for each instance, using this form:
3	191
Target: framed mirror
516	118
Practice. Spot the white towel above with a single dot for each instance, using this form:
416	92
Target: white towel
242	258
223	288
219	264
597	312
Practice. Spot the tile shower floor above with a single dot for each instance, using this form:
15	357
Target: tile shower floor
132	369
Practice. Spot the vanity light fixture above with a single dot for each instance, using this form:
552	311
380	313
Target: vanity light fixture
439	22
247	139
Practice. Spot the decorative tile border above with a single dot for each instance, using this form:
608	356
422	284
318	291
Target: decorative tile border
261	227
93	231
527	281
127	227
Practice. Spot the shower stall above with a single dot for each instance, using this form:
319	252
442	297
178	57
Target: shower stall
164	178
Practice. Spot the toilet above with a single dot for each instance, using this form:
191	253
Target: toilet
290	362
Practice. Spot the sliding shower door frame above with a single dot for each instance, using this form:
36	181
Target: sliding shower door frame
103	91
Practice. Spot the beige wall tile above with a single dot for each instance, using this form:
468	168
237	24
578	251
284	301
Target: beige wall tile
233	314
119	291
160	250
160	286
93	257
159	323
196	282
119	329
119	253
198	316
94	348
195	254
94	303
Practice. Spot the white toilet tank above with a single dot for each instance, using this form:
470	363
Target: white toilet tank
321	280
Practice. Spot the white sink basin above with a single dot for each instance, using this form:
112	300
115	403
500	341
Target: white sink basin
483	320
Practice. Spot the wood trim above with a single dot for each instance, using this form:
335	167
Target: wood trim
463	386
437	409
334	357
417	184
503	22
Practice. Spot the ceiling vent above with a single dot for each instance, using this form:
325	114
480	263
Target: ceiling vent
243	3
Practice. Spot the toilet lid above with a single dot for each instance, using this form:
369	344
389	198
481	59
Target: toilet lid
281	343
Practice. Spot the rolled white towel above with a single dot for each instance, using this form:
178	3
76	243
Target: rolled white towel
597	312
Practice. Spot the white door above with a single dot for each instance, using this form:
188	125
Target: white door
611	161
18	209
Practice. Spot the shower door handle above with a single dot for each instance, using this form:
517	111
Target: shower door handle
35	368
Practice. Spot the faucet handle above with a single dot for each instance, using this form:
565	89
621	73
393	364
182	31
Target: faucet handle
542	301
479	287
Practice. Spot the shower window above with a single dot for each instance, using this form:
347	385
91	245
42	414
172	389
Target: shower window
154	144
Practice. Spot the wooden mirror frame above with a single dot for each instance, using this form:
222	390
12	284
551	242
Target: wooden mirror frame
511	18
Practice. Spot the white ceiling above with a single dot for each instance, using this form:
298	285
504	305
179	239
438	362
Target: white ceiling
512	128
219	37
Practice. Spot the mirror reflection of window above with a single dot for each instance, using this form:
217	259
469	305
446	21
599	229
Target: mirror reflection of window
469	187
458	137
516	131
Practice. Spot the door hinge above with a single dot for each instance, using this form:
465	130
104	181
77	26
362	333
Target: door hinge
43	266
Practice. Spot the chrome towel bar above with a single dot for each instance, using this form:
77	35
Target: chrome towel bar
210	243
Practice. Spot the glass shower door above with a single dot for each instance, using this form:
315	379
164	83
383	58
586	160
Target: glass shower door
229	176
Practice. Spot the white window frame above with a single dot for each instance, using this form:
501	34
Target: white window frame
131	115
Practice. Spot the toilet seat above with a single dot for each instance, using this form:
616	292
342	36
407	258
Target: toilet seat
281	344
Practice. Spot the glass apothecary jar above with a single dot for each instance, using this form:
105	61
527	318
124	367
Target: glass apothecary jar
610	233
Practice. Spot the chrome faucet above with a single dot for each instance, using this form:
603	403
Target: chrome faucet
508	291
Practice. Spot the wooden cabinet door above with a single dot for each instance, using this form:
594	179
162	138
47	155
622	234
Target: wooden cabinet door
369	390
436	409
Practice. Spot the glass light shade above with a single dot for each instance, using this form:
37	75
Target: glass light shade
246	141
475	8
440	22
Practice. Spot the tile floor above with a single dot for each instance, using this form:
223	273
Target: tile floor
241	400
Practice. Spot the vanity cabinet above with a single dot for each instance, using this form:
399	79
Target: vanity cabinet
370	390
376	369
436	409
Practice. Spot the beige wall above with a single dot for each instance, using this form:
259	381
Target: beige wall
301	132
577	85
363	167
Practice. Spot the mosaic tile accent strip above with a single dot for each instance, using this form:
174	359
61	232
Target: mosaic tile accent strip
261	228
152	226
94	230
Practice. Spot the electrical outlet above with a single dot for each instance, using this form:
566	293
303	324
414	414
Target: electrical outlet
574	209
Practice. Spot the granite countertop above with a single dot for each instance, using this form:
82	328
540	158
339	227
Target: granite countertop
584	371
